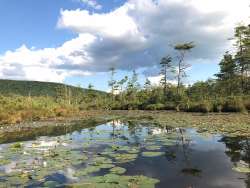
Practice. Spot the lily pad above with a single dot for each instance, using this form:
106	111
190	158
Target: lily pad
152	154
87	170
117	170
242	169
116	181
124	157
153	147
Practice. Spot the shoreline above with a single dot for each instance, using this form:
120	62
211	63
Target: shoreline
233	124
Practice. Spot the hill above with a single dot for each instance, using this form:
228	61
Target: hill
35	88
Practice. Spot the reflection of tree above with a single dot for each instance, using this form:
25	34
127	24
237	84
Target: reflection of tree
185	144
238	149
47	129
133	129
91	131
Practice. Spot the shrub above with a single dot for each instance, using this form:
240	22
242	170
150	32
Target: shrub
247	103
233	104
203	107
170	106
157	106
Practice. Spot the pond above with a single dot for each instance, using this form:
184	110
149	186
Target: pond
126	154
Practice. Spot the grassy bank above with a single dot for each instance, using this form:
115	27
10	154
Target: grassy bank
18	109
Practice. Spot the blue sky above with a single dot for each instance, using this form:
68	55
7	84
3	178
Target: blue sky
76	41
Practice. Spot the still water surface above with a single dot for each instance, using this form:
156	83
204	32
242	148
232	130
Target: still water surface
173	157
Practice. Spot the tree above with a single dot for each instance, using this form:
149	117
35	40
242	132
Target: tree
227	73
120	85
182	66
165	65
242	36
147	85
122	82
133	87
112	82
133	82
90	86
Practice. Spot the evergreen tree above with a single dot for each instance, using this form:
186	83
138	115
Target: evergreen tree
242	36
182	65
112	83
165	65
147	85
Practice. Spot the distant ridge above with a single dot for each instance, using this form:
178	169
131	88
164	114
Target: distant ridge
37	88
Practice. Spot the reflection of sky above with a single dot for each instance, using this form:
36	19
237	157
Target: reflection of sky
202	151
205	142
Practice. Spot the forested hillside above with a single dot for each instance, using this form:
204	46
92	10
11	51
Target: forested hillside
35	88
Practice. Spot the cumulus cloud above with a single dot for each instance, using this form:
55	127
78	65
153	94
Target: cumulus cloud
135	35
39	64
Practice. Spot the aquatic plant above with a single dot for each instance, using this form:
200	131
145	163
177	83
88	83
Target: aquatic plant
124	157
152	154
117	170
117	181
192	171
153	147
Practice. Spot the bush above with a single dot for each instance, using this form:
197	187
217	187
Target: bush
203	107
157	106
247	103
170	106
233	104
217	105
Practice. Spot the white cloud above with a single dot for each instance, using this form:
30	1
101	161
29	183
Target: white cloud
135	35
32	64
92	3
156	80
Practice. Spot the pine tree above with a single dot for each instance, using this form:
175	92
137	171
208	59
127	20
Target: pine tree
165	65
227	73
242	36
182	65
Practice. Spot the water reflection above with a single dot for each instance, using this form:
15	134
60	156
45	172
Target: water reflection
176	157
238	149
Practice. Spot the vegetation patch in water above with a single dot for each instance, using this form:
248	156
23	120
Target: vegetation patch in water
192	171
117	181
117	170
87	170
242	169
153	147
152	154
124	157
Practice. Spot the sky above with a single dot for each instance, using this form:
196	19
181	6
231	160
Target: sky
77	41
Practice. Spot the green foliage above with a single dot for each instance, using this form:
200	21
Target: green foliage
157	106
203	106
233	104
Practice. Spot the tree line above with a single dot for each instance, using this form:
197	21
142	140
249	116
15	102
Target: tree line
228	91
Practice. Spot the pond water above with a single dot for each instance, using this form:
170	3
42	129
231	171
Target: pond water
126	154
